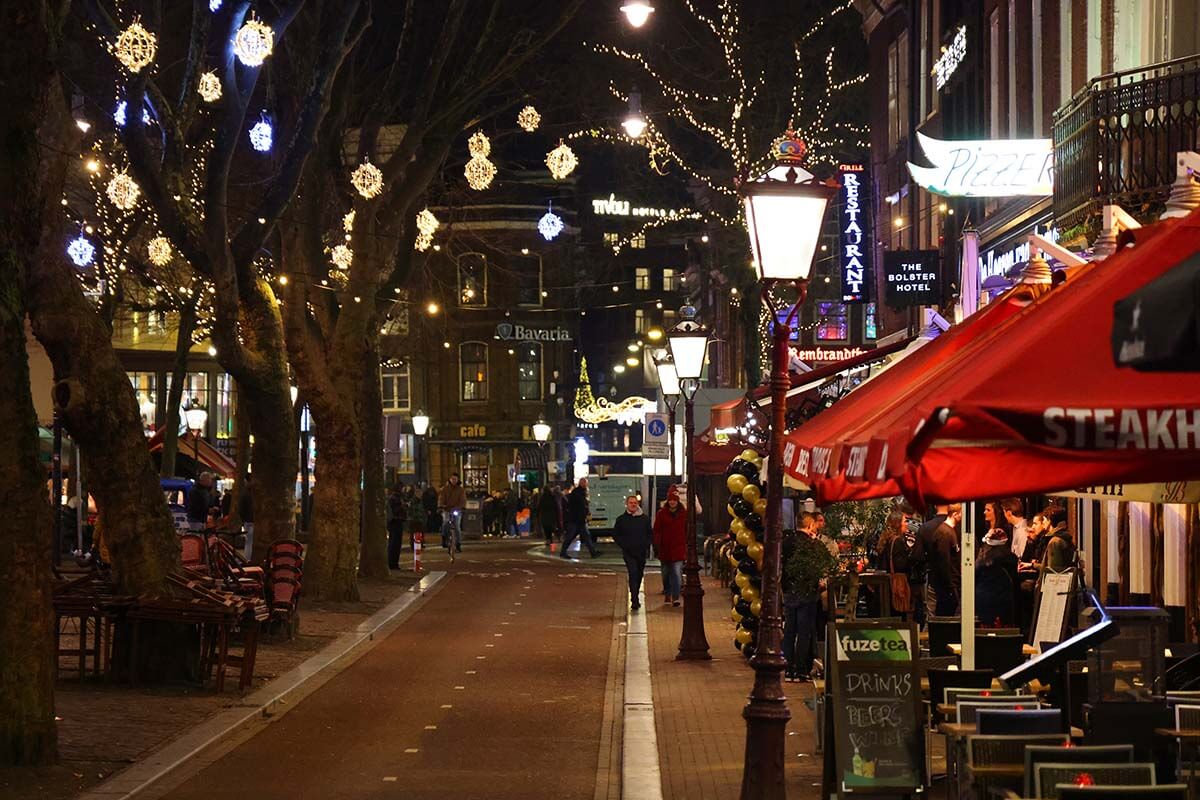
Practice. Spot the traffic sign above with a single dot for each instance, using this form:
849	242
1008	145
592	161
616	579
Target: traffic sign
655	443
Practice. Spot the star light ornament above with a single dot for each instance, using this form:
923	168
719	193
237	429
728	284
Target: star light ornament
123	191
367	179
81	251
550	225
561	161
209	87
253	43
159	250
262	135
427	224
529	119
136	47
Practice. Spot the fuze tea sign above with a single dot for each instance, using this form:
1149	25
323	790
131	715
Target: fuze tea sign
877	741
854	257
912	278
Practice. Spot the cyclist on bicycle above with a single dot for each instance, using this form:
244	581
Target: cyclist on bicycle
452	499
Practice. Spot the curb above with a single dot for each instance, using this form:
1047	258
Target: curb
641	773
270	702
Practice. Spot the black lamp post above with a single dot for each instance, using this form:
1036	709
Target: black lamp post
196	417
420	423
785	210
689	346
541	434
668	384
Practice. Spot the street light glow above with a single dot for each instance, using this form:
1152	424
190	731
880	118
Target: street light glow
432	308
637	12
420	423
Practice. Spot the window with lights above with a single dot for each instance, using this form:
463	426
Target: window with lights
612	238
529	371
832	322
870	332
144	384
641	278
472	279
195	392
639	321
395	388
226	401
670	280
473	371
638	241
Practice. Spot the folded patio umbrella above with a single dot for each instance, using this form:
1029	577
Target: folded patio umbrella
1158	326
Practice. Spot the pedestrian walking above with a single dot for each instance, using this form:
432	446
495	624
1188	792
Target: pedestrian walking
578	511
632	534
805	570
452	500
945	569
550	513
670	544
397	516
893	558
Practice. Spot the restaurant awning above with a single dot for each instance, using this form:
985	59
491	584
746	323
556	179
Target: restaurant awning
209	456
1030	402
1158	326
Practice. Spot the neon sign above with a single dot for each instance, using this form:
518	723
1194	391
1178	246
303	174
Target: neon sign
951	57
854	258
987	167
612	207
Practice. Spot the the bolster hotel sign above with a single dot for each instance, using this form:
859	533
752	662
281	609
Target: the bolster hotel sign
987	167
855	256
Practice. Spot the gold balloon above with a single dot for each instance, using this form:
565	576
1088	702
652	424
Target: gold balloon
755	551
742	580
756	608
729	508
751	493
744	537
737	526
736	483
733	560
734	615
744	636
750	455
760	506
749	592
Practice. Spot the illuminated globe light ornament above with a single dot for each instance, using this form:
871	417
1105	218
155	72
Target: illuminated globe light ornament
637	12
550	225
136	47
123	191
341	256
479	144
529	119
561	161
81	251
479	171
253	42
262	135
119	114
367	180
209	87
214	5
427	225
159	250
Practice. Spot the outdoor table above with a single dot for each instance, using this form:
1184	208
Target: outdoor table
1026	649
1180	735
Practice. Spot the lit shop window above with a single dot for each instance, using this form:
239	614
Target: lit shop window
394	386
831	322
144	387
638	241
529	371
870	333
473	371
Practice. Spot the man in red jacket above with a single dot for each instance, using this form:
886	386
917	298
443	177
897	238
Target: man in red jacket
670	544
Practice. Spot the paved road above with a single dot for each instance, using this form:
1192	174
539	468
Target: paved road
495	688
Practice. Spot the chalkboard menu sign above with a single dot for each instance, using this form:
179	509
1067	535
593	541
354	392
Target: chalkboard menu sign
875	695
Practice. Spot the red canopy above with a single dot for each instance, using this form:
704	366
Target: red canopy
210	457
1030	402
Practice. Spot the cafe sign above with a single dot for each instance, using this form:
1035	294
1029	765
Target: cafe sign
511	332
986	167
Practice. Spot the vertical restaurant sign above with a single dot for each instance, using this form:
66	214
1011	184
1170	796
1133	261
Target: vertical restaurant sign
854	258
911	278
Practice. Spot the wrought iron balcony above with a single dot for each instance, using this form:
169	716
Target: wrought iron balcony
1116	140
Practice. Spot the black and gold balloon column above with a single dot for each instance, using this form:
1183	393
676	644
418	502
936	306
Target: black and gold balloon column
747	505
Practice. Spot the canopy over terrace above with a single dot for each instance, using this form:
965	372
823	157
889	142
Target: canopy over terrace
209	456
1028	402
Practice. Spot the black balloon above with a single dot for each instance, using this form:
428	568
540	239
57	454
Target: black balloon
748	566
753	520
733	587
747	650
743	607
750	622
741	506
739	552
741	466
737	644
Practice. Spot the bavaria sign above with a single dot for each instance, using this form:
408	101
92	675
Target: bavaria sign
986	167
508	331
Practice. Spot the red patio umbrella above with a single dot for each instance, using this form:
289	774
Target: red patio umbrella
1033	403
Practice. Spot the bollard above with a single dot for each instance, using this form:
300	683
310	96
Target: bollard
418	541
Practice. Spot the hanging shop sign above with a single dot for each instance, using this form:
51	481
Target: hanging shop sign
950	59
509	331
854	257
911	278
1000	260
825	355
1169	492
614	207
987	167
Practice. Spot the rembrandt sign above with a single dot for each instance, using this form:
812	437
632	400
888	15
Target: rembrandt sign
987	168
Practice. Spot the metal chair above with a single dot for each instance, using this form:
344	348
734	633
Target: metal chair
1005	722
1050	777
1036	754
1169	791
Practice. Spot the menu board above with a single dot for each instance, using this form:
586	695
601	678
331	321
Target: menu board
875	695
1050	612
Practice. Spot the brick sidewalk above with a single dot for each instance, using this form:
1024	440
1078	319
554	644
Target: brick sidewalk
698	707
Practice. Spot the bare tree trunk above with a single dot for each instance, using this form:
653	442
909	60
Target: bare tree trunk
373	557
332	570
183	346
30	180
241	435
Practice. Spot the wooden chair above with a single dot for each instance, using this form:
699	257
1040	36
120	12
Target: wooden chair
943	631
1050	777
997	763
193	553
1036	754
939	680
1020	723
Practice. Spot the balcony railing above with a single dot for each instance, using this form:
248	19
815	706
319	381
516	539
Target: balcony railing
1116	140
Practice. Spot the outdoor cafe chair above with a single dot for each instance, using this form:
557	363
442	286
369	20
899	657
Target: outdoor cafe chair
1086	754
952	694
192	552
1168	791
1006	722
996	763
968	710
1050	777
1000	651
943	632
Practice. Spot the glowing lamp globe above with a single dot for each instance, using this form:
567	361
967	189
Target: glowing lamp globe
196	418
785	210
541	431
668	378
420	423
689	345
635	123
637	12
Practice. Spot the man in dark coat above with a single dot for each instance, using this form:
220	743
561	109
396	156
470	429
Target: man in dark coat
578	511
918	557
632	534
945	566
550	512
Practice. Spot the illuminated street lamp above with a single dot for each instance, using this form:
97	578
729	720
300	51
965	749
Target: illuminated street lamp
541	434
688	341
196	417
637	12
635	123
785	210
668	384
420	423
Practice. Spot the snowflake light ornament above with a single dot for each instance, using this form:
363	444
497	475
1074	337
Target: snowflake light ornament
253	42
427	224
123	191
367	179
159	250
561	161
550	225
348	221
136	47
529	119
479	144
262	135
81	251
209	87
